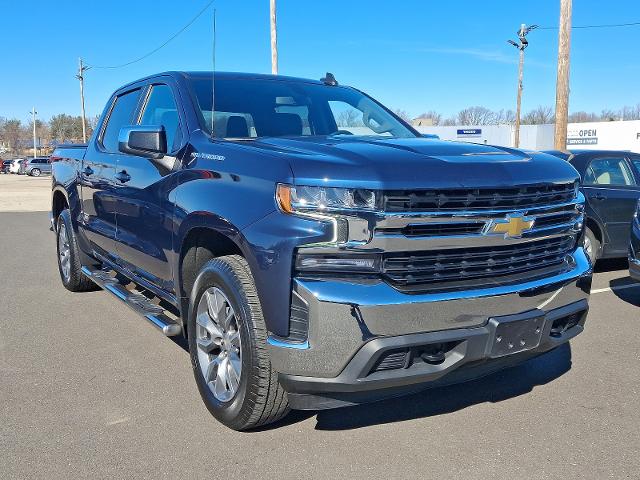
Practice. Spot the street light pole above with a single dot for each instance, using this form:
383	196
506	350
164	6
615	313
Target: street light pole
33	121
520	45
519	99
274	39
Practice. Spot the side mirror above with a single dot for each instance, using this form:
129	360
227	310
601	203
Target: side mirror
143	140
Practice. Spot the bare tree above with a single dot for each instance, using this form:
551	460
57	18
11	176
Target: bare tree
12	133
608	115
349	118
630	113
476	116
449	122
43	134
403	115
538	116
581	117
505	117
436	118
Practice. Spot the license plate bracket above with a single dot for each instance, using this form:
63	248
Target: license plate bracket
515	333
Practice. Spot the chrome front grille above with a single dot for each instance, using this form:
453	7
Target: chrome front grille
478	267
457	199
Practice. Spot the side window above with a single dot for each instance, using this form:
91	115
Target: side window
608	171
121	116
161	110
636	163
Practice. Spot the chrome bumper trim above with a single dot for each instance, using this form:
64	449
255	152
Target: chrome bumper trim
345	315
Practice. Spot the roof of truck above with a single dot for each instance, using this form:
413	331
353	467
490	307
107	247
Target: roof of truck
226	75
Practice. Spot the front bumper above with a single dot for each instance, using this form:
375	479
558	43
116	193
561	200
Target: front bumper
352	324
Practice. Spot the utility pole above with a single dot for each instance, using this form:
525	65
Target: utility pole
33	121
274	39
520	45
562	82
80	76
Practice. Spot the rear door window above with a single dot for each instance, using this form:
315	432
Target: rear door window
121	115
609	171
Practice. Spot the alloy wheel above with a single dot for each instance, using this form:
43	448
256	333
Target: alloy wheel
588	247
219	344
64	251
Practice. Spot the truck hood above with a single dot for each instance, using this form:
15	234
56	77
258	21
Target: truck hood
412	163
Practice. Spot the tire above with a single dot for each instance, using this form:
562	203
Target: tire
591	246
68	256
258	398
35	172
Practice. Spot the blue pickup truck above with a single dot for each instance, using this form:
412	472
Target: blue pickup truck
315	250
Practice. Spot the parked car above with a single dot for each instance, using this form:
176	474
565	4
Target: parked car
4	167
35	166
15	165
311	266
611	186
634	246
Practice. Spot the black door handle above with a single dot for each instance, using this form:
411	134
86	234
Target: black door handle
599	196
87	171
123	176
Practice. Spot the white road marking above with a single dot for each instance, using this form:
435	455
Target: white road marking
547	302
610	289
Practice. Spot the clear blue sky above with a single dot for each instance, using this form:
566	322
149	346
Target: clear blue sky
415	55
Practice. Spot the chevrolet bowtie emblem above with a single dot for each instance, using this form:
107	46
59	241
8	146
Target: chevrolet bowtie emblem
513	226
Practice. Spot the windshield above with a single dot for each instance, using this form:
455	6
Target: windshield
250	108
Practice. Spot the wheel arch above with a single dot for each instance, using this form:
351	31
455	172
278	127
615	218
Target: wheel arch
59	202
202	241
595	227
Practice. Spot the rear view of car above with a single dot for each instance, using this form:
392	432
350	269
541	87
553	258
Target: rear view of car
15	165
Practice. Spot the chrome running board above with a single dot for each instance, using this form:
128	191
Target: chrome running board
133	297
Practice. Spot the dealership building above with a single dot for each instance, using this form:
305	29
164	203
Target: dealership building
623	135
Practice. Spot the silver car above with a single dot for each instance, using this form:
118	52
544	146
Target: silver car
35	166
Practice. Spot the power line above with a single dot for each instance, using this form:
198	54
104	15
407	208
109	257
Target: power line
608	25
204	9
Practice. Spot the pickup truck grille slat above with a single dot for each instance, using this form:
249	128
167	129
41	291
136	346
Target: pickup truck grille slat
476	267
437	229
472	199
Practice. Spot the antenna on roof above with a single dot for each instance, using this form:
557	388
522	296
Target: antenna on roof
329	79
213	77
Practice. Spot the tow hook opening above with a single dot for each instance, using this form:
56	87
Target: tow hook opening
434	354
431	354
563	324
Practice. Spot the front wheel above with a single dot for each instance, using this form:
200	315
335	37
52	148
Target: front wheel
591	246
227	340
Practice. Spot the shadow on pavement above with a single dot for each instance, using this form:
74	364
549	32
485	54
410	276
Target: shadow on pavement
629	295
611	265
503	385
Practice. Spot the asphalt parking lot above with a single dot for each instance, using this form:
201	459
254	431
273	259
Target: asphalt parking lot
89	390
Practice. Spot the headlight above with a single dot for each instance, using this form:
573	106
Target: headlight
301	199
